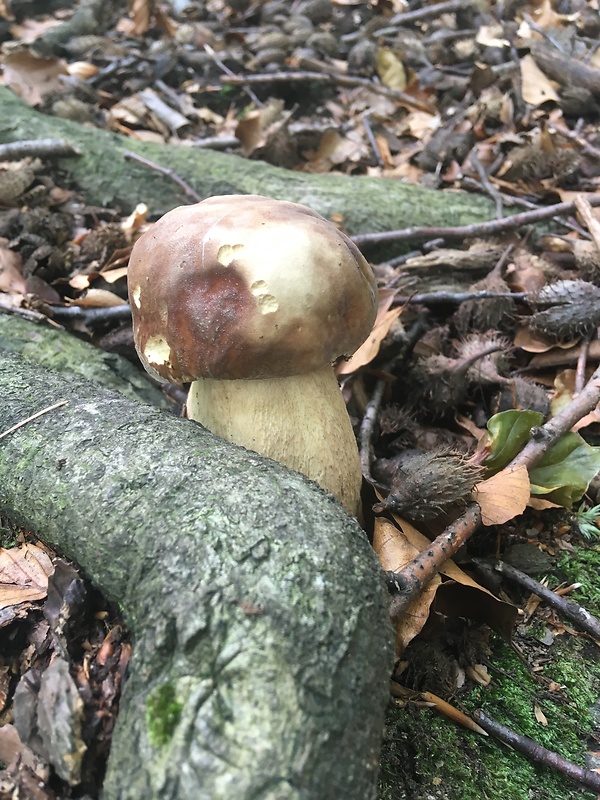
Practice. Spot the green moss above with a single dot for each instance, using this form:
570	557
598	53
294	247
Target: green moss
163	712
425	756
583	567
8	537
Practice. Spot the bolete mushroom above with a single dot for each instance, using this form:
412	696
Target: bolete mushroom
252	300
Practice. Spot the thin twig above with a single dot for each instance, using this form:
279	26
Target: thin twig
416	574
582	363
537	753
367	427
565	607
469	231
542	439
587	149
334	77
521	202
32	417
221	64
87	314
435	298
366	121
164	171
37	148
488	186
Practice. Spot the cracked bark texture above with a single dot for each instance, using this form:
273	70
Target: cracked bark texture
260	622
366	204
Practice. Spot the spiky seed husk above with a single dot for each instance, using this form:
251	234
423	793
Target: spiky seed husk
487	366
587	258
435	386
570	308
489	314
427	483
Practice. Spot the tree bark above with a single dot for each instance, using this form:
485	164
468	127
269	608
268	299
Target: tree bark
262	639
365	204
55	349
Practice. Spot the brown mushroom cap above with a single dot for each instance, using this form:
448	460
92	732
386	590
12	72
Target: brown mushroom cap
243	286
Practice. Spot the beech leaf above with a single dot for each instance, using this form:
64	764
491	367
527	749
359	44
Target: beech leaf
565	471
503	496
508	433
394	551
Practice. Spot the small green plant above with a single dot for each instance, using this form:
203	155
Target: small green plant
587	521
562	475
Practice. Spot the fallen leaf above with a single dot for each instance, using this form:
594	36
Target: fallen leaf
386	317
564	389
504	496
33	77
537	88
99	298
24	574
461	595
253	130
536	343
540	716
394	551
390	69
11	279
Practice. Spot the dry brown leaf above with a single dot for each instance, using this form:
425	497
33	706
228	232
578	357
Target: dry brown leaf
394	551
539	504
492	36
462	595
564	390
386	317
253	130
504	496
99	298
113	275
533	343
24	573
452	712
479	673
82	69
590	419
135	221
140	12
11	279
540	716
537	88
33	77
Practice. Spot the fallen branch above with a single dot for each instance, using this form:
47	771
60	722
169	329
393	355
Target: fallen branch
254	601
565	607
537	753
490	228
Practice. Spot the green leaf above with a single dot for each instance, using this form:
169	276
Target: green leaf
564	473
509	432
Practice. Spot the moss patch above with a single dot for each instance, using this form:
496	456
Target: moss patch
163	712
426	757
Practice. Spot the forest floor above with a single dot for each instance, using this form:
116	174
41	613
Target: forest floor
500	99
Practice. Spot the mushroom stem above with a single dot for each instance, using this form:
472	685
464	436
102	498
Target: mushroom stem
300	421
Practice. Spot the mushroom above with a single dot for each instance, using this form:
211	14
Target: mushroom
252	300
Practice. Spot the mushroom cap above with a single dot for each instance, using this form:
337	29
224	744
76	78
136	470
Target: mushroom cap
243	286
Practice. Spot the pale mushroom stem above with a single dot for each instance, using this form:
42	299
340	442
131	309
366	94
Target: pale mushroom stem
300	421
